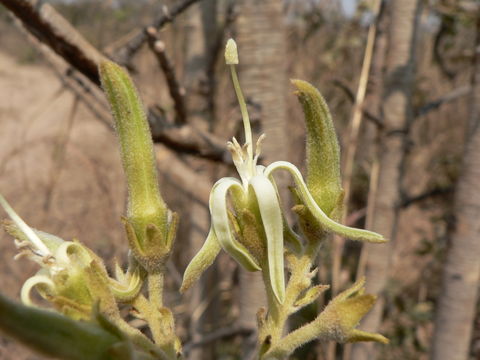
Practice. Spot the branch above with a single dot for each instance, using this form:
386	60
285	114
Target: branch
177	92
426	195
51	28
435	104
420	111
125	54
351	96
189	140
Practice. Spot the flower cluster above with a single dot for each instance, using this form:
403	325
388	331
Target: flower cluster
254	230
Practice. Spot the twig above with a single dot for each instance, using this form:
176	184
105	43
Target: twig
189	140
426	195
51	28
420	111
350	95
212	59
218	335
435	104
176	91
125	54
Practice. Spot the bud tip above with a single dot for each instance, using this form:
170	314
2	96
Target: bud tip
231	53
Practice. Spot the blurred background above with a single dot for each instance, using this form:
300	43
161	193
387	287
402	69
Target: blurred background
402	79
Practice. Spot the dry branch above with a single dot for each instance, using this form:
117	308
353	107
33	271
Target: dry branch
50	28
426	195
435	104
350	95
189	140
125	54
177	92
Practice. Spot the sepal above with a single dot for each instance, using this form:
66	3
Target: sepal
155	249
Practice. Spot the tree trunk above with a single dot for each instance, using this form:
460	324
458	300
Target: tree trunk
397	112
456	308
262	47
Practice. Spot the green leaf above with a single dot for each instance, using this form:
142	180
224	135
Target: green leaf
55	335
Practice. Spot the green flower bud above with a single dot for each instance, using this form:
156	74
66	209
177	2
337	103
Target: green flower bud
323	152
145	205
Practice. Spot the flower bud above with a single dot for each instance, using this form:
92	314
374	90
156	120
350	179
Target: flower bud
231	53
323	152
145	205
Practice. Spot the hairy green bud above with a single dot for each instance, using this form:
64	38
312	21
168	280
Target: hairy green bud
323	153
145	204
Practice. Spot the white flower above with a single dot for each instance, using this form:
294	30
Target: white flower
256	194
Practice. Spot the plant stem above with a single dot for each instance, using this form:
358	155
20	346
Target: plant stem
278	313
155	289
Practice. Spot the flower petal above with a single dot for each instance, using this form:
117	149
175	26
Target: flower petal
128	289
31	283
329	224
221	224
202	260
290	237
272	222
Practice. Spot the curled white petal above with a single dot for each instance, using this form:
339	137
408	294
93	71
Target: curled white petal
62	255
329	224
128	287
202	261
29	233
221	224
272	222
30	284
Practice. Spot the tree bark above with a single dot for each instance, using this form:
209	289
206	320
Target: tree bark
397	112
456	307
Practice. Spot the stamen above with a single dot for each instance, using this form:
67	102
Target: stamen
258	149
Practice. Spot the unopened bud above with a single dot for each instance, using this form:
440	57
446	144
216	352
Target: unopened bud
231	53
